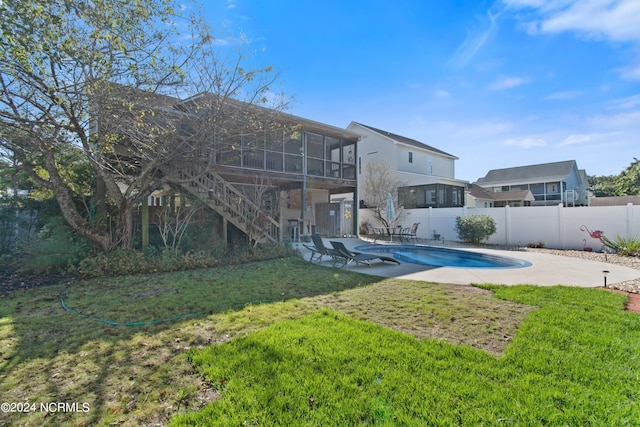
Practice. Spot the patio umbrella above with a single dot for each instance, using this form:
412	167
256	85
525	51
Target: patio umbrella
391	212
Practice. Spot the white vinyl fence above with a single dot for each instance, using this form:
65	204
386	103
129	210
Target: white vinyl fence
556	226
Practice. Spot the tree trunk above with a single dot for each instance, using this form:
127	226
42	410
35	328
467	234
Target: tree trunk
125	225
69	210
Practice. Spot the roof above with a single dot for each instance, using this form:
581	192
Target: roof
614	201
531	174
277	116
405	140
480	193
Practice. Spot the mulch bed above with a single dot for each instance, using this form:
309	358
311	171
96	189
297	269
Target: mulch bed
633	301
11	281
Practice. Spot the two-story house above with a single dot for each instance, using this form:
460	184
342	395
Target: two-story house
549	183
427	173
296	163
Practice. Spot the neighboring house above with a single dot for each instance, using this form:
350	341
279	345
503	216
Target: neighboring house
614	201
550	183
428	174
478	197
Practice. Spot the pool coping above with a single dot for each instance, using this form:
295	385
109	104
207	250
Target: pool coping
545	269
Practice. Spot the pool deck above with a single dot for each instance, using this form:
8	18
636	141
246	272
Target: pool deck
545	269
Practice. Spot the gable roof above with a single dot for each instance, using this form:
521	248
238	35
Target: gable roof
531	174
405	140
503	196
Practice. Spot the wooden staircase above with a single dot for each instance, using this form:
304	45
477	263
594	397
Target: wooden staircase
231	204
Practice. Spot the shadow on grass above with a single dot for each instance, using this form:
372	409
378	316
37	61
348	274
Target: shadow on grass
47	353
114	309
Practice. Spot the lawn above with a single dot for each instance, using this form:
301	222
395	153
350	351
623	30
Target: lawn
285	342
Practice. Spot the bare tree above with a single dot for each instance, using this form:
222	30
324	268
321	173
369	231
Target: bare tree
264	196
112	80
378	183
173	220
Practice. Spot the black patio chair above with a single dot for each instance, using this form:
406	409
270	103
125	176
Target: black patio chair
319	249
358	257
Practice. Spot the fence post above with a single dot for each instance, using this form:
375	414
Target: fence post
561	226
507	225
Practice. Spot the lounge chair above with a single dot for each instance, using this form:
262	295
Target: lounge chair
321	250
358	257
410	233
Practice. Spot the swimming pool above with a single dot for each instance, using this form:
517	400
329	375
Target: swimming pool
444	257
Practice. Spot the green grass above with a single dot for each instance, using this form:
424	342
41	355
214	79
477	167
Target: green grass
575	361
366	349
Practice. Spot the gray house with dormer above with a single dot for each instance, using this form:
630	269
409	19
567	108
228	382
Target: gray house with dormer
549	183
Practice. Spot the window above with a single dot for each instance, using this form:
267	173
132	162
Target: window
431	195
430	165
410	157
315	145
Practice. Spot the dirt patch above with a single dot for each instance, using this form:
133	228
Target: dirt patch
633	302
11	281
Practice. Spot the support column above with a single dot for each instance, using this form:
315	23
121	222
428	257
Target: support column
225	232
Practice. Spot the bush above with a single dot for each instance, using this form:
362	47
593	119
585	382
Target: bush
55	248
475	228
627	246
130	261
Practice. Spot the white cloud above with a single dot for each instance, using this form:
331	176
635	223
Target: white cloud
615	20
522	3
504	82
441	94
474	41
631	72
575	139
563	95
629	121
626	103
608	19
525	142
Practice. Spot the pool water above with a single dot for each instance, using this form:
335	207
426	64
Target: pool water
443	257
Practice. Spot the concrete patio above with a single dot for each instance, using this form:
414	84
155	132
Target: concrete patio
545	269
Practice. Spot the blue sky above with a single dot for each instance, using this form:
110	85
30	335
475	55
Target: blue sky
496	83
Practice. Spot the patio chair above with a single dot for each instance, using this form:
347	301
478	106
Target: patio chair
358	257
410	233
372	232
320	249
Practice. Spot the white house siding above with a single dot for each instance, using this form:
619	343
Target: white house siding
424	162
556	226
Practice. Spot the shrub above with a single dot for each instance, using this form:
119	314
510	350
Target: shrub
55	248
118	262
627	246
475	228
130	261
